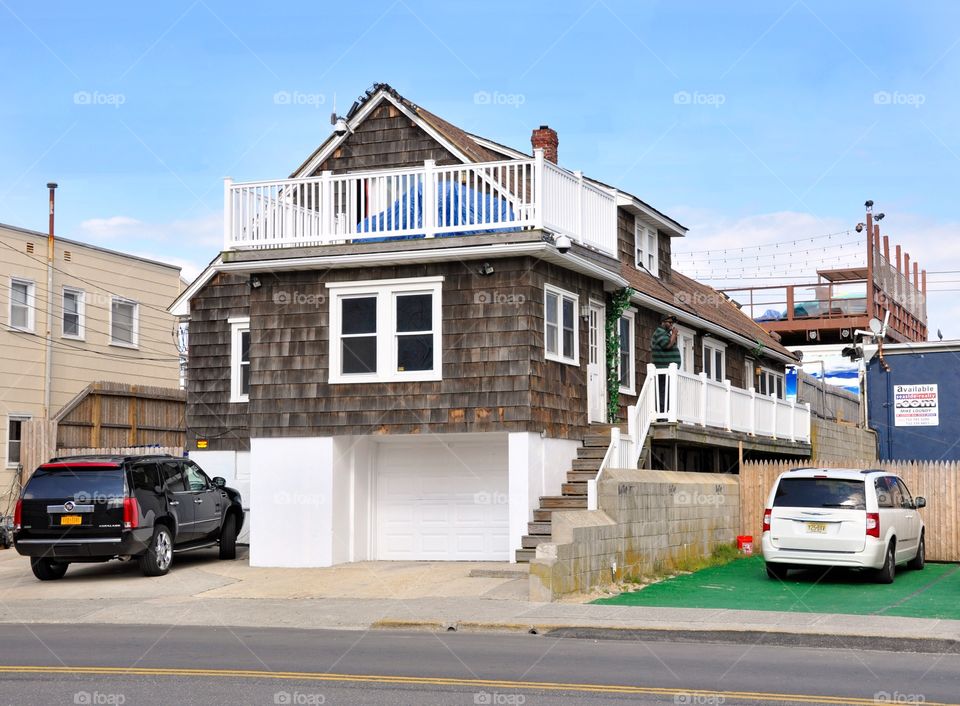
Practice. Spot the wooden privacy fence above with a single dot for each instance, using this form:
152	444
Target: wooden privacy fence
937	481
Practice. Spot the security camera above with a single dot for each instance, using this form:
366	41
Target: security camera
340	127
563	244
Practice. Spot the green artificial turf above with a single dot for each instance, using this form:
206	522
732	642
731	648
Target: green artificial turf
742	584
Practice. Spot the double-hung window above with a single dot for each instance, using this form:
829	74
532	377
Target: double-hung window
22	305
560	326
626	366
715	359
124	322
771	383
239	359
647	248
72	321
14	437
385	330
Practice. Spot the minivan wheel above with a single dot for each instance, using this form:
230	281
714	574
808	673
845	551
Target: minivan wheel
777	571
159	555
920	560
886	573
228	538
48	569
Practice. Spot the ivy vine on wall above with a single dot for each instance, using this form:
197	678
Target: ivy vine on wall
617	302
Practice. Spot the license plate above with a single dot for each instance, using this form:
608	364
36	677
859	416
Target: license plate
817	527
70	519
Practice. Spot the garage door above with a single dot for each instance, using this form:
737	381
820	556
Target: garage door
442	502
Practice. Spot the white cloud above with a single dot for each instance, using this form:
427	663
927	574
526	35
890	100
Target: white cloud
934	245
111	227
205	231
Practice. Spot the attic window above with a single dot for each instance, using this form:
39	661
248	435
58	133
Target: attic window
30	248
646	249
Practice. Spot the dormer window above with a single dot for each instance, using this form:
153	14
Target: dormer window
646	249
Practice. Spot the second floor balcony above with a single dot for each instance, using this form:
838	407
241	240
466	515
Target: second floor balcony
426	201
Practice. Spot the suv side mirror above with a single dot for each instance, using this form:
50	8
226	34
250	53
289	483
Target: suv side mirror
219	482
920	502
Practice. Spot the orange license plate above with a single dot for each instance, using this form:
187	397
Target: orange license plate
70	519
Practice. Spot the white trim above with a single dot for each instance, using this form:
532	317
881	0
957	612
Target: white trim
135	333
81	313
714	345
687	362
558	357
629	201
31	304
750	368
385	293
631	316
238	326
13	417
766	373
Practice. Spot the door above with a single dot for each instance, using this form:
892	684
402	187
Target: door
596	364
207	501
911	518
442	501
181	504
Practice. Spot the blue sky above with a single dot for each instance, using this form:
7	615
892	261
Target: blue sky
750	122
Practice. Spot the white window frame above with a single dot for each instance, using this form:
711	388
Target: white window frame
687	356
31	304
773	376
711	346
13	418
136	322
559	357
81	314
646	242
385	291
631	318
750	371
238	326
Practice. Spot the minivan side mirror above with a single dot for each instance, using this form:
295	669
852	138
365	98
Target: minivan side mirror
920	502
219	482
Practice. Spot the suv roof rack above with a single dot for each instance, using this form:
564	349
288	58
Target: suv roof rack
112	457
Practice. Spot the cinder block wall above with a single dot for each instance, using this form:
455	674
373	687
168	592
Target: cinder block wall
646	522
833	440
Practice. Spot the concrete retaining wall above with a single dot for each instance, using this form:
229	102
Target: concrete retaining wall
836	440
647	521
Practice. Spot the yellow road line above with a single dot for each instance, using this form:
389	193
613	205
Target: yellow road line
444	681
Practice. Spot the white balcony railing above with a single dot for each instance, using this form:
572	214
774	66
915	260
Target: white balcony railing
427	201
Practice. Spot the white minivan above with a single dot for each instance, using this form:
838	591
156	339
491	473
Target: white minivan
842	517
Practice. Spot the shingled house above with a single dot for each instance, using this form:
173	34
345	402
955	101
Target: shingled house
402	351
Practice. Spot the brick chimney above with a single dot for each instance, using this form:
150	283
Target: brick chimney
545	138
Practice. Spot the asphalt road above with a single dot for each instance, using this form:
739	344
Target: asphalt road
126	665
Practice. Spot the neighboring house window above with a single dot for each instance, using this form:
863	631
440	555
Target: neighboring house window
73	313
715	359
771	382
560	329
124	324
22	304
14	438
685	342
647	250
239	359
626	362
386	330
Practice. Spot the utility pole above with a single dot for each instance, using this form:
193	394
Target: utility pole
48	358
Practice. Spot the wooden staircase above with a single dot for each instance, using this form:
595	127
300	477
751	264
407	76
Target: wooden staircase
573	493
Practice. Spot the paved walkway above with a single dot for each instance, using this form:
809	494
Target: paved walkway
435	596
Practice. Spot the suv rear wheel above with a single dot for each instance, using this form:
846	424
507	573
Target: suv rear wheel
48	569
159	555
889	569
920	560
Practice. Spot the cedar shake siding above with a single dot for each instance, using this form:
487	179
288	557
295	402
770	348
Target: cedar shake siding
210	414
387	139
495	376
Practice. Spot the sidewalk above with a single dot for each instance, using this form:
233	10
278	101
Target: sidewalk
426	596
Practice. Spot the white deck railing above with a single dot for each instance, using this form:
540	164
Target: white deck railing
420	202
695	399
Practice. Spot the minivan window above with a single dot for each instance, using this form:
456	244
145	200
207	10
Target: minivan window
885	494
907	496
820	492
80	485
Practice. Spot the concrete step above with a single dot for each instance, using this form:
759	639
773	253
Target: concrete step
592	451
586	464
562	502
574	489
525	555
531	541
580	476
540	527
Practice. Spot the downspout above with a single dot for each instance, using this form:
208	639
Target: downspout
48	357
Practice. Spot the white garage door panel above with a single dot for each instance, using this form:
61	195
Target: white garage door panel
443	503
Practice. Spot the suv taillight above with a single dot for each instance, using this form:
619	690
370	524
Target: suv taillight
873	524
18	515
131	513
766	519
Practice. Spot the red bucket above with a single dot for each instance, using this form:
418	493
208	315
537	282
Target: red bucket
745	544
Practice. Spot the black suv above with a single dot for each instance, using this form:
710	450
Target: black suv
97	508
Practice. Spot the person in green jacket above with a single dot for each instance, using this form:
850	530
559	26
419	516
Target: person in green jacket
665	350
